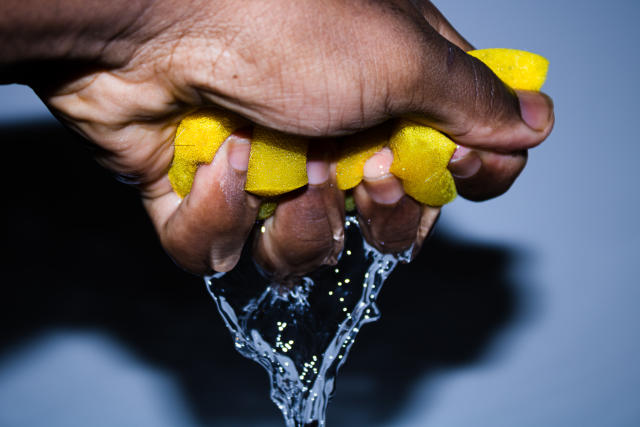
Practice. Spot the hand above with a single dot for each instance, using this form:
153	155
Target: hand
320	69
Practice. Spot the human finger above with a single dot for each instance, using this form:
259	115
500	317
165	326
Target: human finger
481	175
307	228
390	221
207	229
447	89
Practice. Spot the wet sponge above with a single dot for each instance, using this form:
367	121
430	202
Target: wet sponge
420	153
420	158
197	139
277	162
517	68
354	153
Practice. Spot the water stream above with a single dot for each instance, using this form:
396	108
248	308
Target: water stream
302	335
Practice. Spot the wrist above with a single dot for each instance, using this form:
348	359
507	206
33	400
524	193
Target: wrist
38	37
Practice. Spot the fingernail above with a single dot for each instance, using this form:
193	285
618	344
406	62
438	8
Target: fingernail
238	153
383	188
536	109
378	165
385	191
464	163
460	153
317	171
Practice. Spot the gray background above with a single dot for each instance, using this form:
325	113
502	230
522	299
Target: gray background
567	354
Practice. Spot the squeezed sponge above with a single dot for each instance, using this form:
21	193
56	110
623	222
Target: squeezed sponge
277	163
421	154
420	158
198	137
354	153
517	68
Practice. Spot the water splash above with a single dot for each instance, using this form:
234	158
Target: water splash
302	335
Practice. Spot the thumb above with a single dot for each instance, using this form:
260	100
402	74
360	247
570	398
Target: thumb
460	96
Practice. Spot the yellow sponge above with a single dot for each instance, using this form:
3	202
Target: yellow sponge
354	153
421	154
197	139
420	158
277	163
517	68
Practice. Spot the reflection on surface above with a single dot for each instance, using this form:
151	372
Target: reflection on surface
82	255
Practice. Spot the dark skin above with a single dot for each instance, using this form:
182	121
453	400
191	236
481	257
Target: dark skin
124	75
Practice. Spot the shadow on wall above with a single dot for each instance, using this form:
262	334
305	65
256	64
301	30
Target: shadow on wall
82	254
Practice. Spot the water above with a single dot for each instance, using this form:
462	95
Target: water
302	334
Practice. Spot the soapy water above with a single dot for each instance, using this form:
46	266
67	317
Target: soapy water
302	334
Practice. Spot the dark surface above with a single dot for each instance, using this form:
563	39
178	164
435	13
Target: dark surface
81	253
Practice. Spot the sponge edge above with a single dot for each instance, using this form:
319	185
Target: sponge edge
354	153
420	158
517	68
198	137
277	163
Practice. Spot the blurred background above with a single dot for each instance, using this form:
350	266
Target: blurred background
521	311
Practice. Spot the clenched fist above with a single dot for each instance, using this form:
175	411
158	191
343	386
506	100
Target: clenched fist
124	74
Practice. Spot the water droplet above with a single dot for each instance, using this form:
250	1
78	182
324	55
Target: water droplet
253	311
